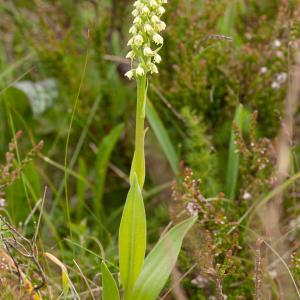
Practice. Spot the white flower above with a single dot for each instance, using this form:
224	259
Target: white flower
130	55
129	74
157	58
130	42
145	10
153	3
138	40
161	26
161	10
135	12
137	21
137	3
133	30
155	19
148	28
140	71
152	68
158	39
147	51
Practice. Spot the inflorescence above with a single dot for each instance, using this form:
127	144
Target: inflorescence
145	33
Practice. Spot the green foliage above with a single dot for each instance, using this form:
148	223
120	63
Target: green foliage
162	136
102	160
217	55
200	154
109	286
132	238
158	266
240	120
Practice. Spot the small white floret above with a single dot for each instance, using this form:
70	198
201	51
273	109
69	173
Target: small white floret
129	74
161	10
148	28
147	51
130	55
158	39
138	40
145	10
155	19
133	30
157	58
137	21
135	12
140	71
152	68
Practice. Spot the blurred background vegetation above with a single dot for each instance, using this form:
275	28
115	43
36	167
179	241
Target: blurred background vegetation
62	81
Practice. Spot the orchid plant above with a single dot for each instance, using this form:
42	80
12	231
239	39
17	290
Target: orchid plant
143	278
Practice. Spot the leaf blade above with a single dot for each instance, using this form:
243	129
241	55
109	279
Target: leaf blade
158	265
132	238
110	289
233	157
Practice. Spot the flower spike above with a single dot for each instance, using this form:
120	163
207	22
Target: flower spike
145	36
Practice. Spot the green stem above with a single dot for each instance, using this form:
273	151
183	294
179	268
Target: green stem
138	162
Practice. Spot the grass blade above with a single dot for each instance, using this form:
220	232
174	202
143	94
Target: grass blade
162	136
81	188
102	160
110	289
160	262
68	288
234	156
132	238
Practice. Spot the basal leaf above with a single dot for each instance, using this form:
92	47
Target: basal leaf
160	263
109	287
132	238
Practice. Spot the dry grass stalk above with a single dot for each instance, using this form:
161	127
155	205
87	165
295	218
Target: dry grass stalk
258	270
274	209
